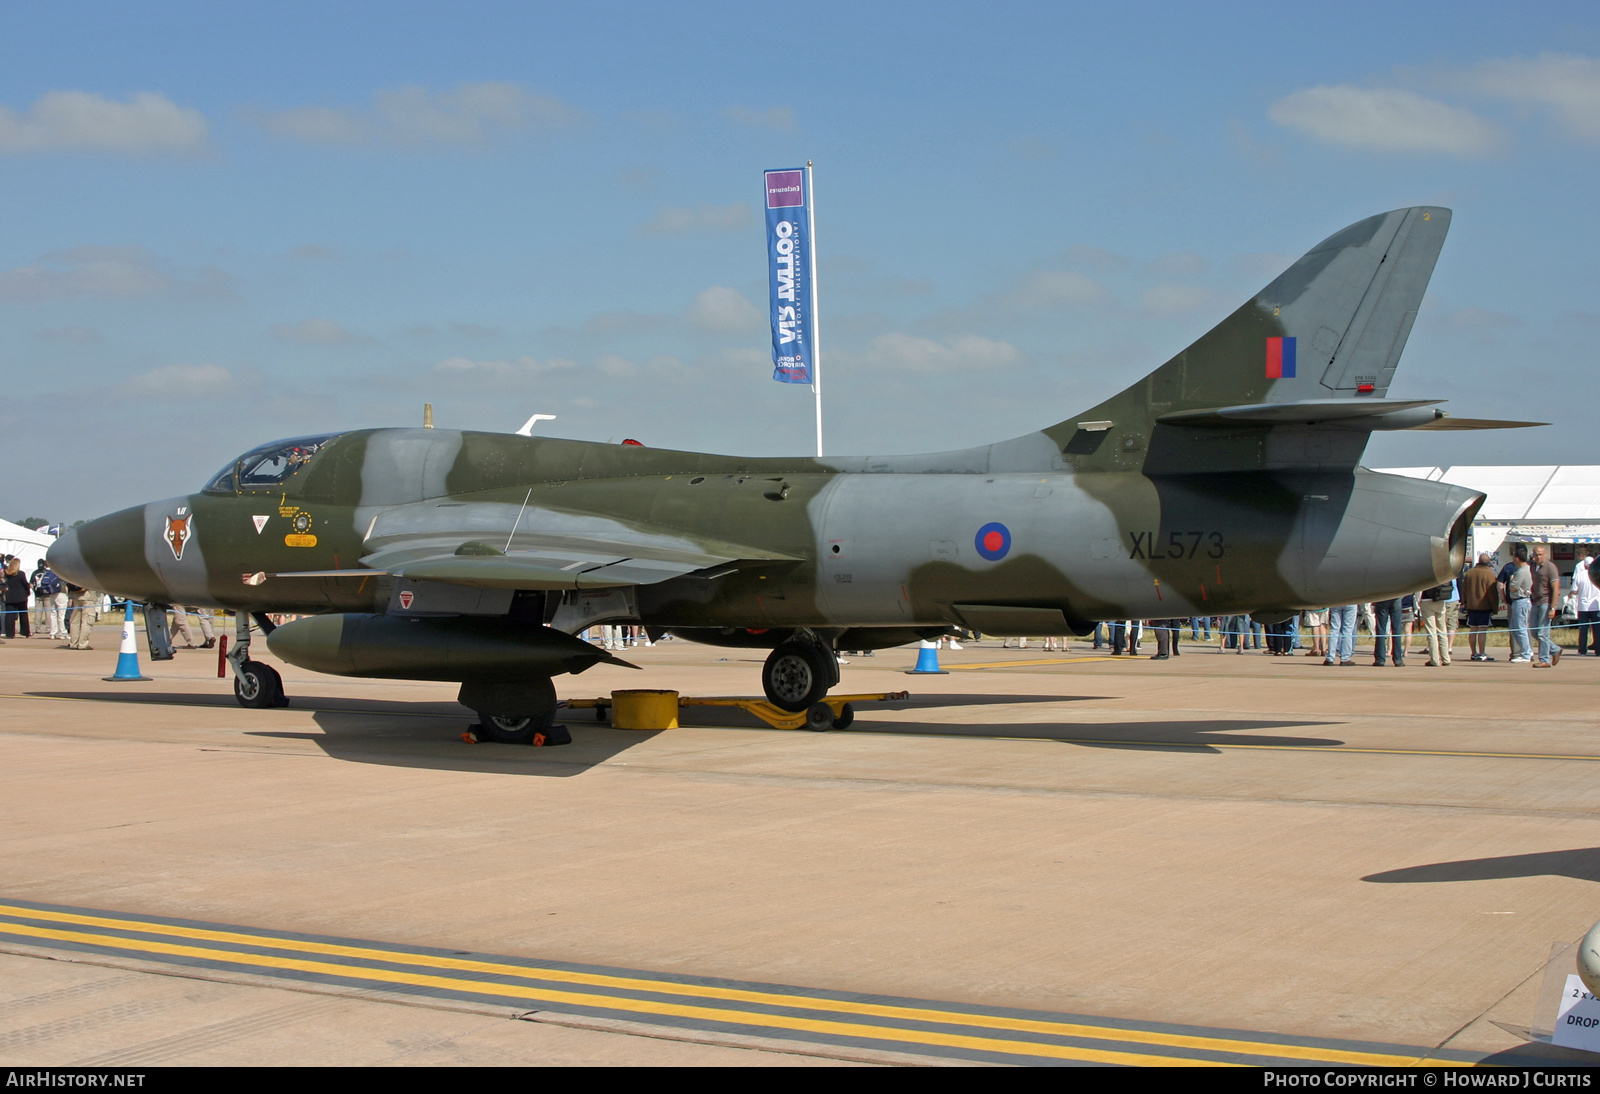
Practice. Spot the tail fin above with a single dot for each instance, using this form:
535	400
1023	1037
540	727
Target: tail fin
1329	328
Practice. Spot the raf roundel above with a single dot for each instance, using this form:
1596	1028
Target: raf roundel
993	541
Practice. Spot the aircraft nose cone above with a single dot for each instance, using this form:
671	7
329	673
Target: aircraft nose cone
66	559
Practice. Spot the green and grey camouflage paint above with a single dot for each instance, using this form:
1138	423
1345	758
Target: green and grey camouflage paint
1205	488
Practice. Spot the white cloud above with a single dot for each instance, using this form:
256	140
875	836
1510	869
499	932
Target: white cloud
960	354
415	116
314	332
1568	84
108	272
1172	299
720	310
181	382
776	117
147	124
1045	289
1384	120
673	220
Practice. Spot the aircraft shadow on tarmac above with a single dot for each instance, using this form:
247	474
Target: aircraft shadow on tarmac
1192	736
428	734
405	733
1189	735
429	746
225	701
1582	863
359	732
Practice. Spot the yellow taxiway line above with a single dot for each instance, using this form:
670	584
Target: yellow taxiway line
838	1018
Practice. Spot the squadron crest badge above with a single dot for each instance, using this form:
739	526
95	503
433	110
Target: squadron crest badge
179	531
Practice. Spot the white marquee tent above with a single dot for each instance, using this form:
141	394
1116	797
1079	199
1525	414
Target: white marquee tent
26	544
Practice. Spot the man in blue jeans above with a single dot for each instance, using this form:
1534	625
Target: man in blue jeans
1519	588
1545	602
1341	636
1230	633
1388	627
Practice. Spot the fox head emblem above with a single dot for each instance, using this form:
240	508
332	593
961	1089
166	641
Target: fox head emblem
178	534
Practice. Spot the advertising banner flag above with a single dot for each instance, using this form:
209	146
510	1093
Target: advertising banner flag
789	263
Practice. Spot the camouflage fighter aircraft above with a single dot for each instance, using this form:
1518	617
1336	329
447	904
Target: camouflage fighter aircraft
1226	481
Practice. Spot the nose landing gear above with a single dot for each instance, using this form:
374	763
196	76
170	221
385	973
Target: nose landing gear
255	684
258	686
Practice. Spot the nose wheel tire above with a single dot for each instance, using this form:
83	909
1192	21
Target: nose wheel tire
258	686
796	676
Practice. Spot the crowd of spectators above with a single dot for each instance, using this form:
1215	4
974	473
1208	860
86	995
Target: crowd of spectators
1529	587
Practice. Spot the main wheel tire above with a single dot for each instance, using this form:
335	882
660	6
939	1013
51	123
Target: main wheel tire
279	699
257	686
819	717
509	729
795	676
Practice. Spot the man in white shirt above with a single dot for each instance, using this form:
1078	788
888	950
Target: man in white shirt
1587	594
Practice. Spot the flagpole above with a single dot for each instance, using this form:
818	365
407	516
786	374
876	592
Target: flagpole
816	346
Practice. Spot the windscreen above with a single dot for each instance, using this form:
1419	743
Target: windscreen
268	466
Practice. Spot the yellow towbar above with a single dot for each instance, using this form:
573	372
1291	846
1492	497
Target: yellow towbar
644	709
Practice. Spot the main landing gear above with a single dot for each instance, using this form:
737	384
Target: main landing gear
255	684
515	712
797	676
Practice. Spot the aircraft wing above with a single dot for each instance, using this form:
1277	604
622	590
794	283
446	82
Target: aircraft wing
542	569
548	550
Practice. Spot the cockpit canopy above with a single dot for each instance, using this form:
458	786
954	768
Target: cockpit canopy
269	467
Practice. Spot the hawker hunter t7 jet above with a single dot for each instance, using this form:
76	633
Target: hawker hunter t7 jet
1226	481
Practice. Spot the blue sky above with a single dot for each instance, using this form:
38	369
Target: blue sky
225	226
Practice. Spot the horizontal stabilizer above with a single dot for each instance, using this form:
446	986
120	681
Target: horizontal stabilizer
1372	415
1448	422
1303	410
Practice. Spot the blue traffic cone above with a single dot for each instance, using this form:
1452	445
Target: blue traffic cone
128	654
927	661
